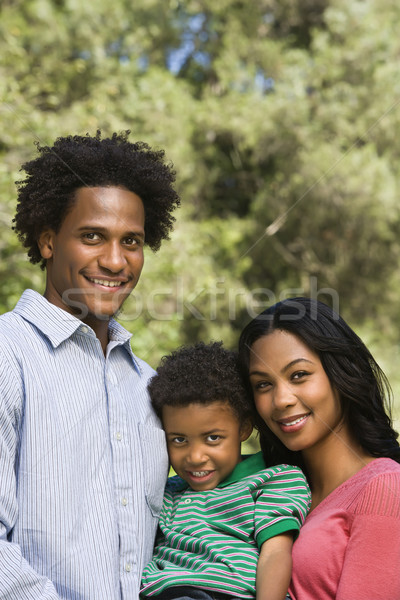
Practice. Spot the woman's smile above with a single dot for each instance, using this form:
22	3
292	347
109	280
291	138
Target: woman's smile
293	424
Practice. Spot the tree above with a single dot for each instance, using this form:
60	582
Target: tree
281	120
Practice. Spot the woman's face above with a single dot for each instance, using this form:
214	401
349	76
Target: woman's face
292	392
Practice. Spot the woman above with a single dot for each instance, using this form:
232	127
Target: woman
322	399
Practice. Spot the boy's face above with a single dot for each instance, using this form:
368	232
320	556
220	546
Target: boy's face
204	442
95	259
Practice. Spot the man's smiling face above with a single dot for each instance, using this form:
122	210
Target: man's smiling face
94	261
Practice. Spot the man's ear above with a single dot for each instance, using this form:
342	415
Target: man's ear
245	430
46	243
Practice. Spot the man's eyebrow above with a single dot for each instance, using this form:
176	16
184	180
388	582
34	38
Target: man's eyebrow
102	229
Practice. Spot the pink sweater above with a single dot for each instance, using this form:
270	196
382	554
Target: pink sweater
349	546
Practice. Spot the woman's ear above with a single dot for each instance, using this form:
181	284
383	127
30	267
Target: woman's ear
45	243
245	430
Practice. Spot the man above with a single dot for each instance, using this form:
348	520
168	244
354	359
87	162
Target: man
82	456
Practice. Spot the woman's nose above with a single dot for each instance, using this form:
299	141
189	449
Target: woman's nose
283	396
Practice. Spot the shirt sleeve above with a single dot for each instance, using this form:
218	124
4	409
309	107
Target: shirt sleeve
372	559
18	581
282	501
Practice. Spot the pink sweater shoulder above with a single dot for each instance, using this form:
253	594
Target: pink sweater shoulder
370	491
349	546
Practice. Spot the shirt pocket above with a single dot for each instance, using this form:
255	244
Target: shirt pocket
155	465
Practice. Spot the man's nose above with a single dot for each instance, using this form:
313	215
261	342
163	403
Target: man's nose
113	258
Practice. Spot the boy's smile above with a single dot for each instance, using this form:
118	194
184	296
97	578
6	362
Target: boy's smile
204	442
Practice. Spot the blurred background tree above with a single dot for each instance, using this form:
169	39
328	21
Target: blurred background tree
281	119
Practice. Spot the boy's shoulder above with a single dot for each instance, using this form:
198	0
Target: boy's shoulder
282	475
283	468
253	466
281	472
176	484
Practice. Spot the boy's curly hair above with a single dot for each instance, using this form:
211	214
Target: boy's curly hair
202	373
73	162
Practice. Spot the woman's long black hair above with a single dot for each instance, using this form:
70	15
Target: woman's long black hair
364	391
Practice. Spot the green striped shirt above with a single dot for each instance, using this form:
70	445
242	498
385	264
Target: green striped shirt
210	539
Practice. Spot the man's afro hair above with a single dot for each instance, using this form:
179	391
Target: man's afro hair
202	373
47	192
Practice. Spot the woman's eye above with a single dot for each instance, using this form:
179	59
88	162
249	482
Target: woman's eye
261	385
299	375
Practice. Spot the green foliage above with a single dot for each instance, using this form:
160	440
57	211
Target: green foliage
281	118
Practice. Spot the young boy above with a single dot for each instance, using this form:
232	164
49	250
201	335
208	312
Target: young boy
227	524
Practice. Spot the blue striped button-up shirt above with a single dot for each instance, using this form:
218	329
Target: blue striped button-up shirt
82	459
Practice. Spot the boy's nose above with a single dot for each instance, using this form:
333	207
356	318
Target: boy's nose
196	455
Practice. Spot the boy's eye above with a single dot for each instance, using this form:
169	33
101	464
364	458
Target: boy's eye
213	437
178	440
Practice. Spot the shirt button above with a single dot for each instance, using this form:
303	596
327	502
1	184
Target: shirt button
128	567
187	501
118	436
84	329
124	501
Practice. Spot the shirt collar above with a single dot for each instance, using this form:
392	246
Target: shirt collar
248	466
58	325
